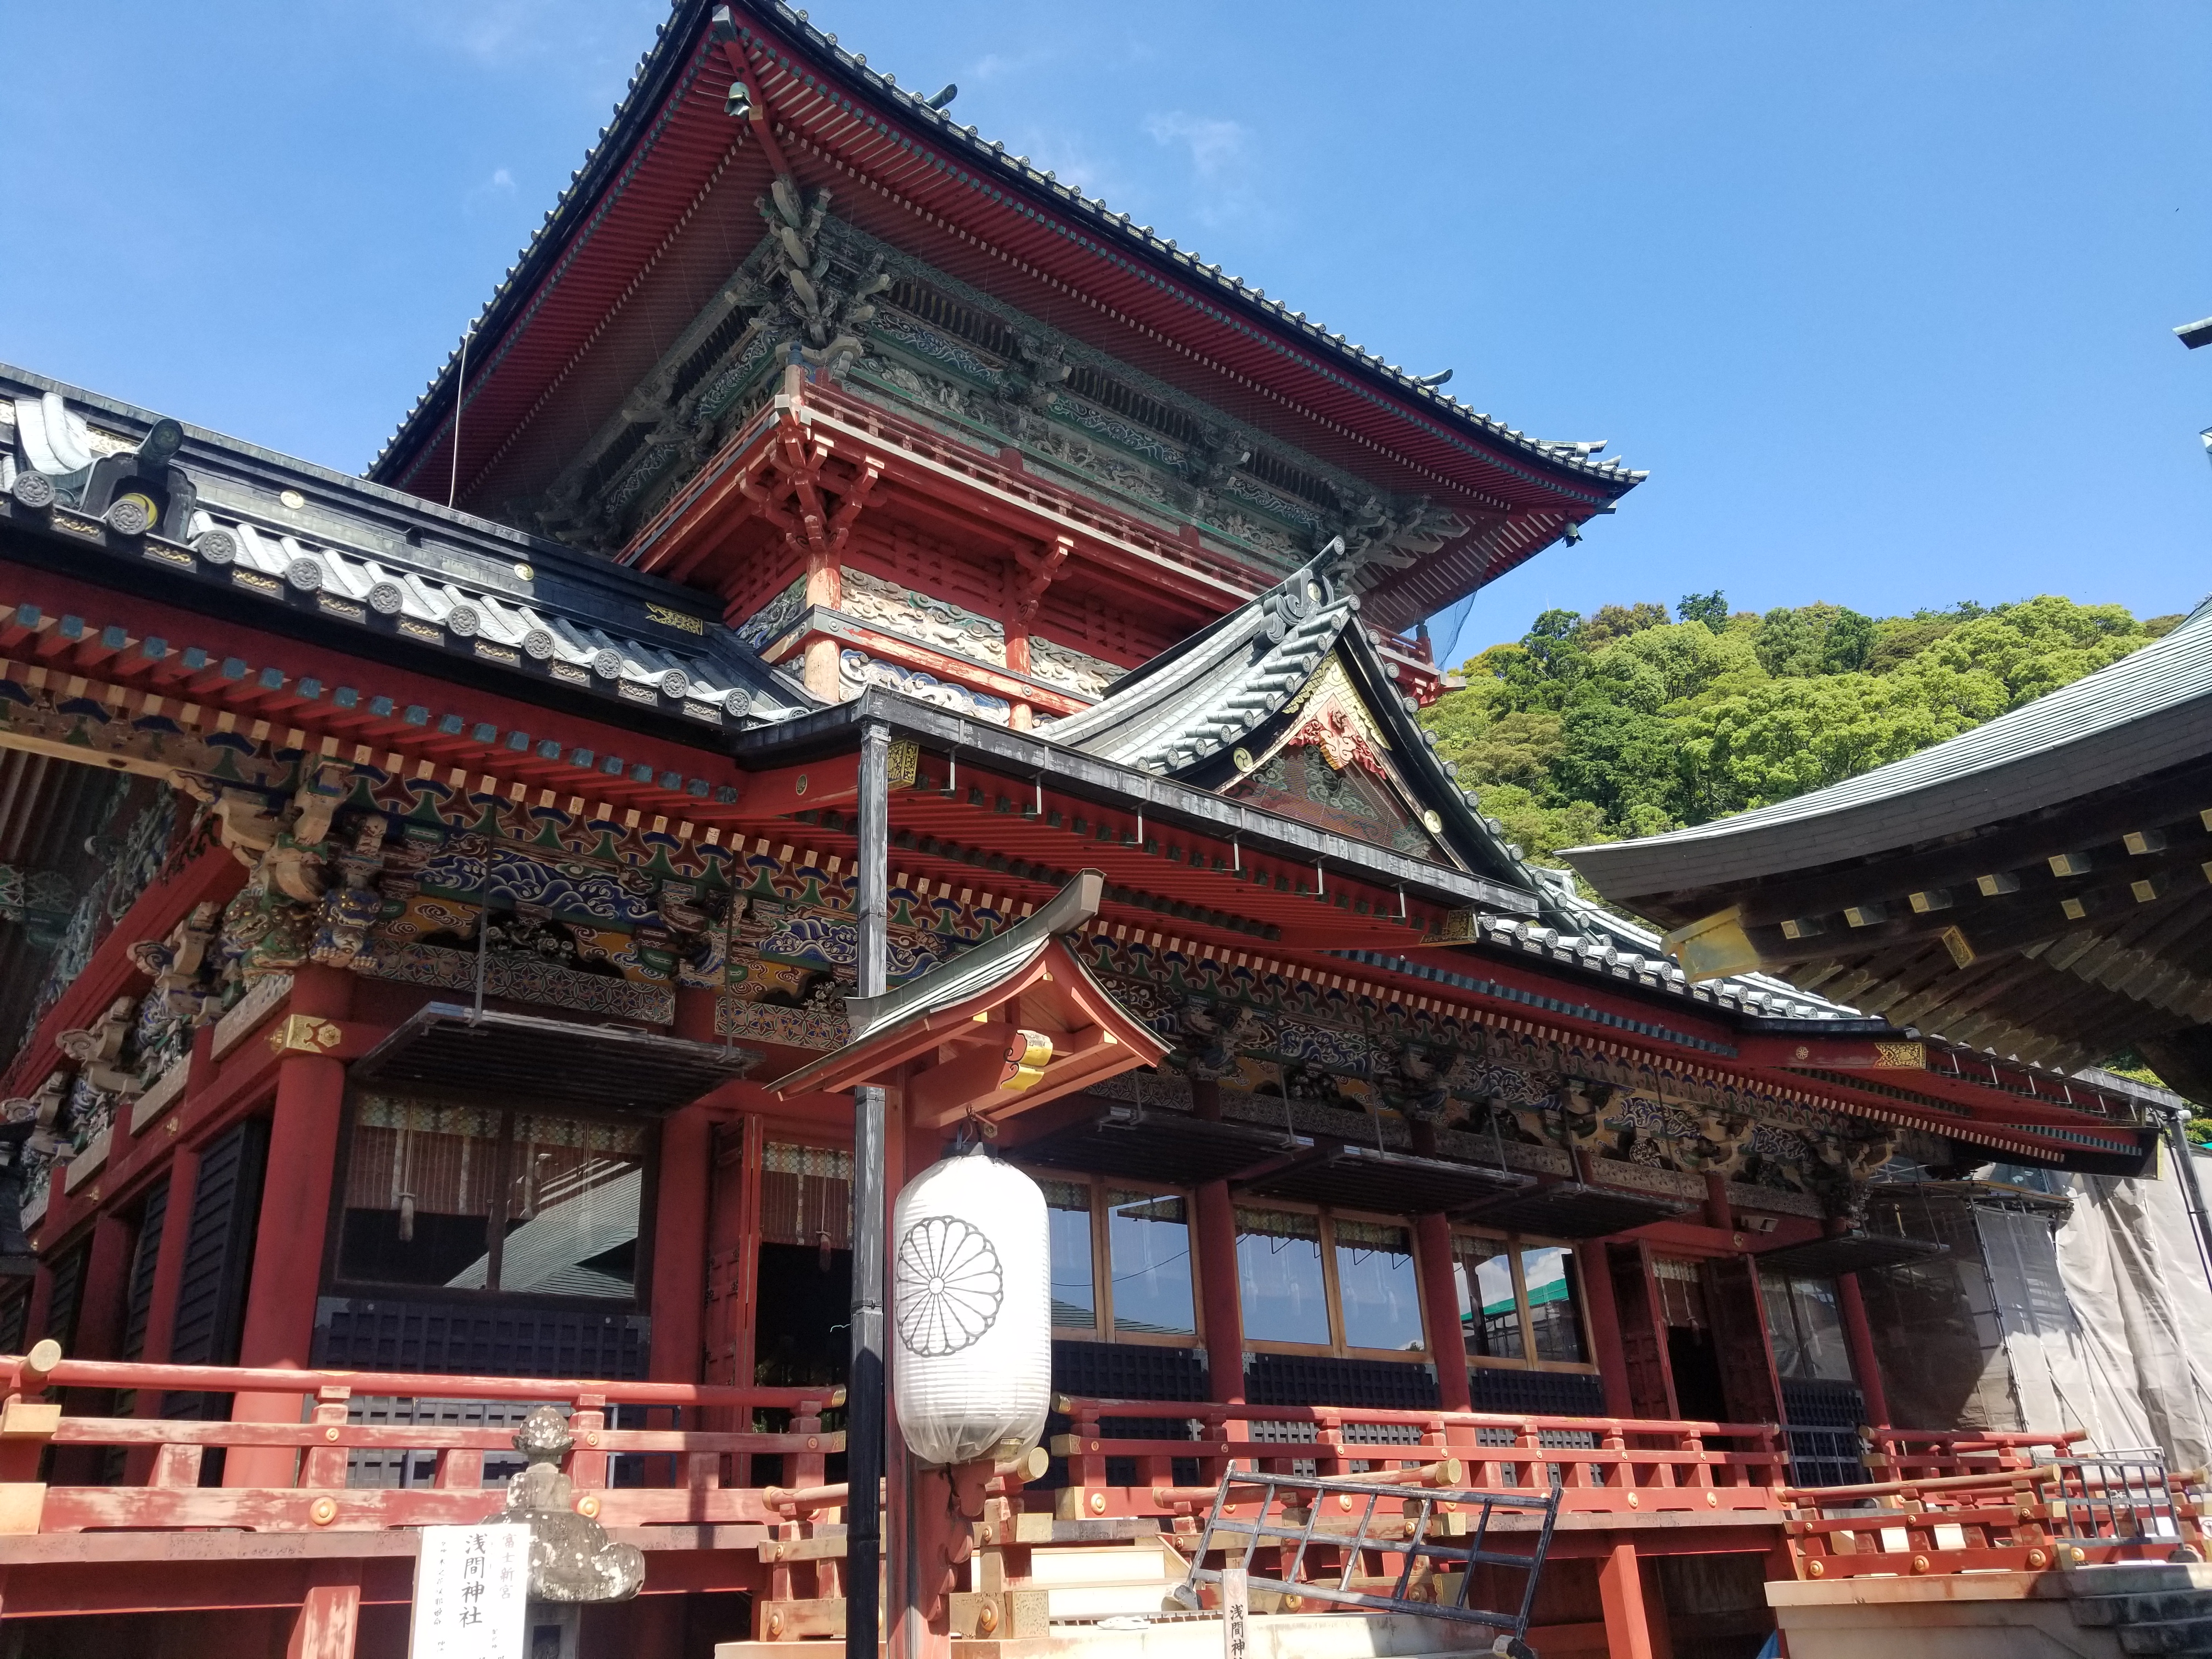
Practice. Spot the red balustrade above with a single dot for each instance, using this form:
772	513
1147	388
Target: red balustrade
673	1475
1603	1463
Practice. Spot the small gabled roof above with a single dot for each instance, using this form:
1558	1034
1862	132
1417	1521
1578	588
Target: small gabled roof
1027	974
1194	702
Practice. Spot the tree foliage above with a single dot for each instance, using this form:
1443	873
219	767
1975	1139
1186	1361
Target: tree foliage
1623	723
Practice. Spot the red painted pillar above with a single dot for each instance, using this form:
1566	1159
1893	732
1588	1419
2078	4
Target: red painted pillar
1859	1336
100	1310
678	1298
288	1242
1605	1329
1213	1234
177	1220
1620	1591
1433	1260
1717	1214
99	1305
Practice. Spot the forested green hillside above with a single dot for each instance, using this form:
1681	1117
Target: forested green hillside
1625	722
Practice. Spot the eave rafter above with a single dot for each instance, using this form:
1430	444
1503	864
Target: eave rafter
148	687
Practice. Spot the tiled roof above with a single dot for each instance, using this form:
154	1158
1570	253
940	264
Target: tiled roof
1595	940
1200	698
2150	710
678	40
286	532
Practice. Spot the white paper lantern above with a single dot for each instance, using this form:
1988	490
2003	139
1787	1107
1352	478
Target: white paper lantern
971	1311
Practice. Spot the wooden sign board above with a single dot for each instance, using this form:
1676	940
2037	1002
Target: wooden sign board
1236	1613
472	1589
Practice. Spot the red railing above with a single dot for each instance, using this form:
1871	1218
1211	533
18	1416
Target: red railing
1931	1454
293	1475
59	1472
2008	1514
1603	1463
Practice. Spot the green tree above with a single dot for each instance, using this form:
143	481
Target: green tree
1623	723
1618	621
1814	639
1711	609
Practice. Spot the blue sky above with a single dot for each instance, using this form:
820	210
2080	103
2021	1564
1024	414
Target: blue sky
1881	295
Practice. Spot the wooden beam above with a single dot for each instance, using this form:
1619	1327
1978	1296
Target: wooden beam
2040	906
2172	802
1834	1053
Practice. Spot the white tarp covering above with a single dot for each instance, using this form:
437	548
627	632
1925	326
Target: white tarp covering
2109	1329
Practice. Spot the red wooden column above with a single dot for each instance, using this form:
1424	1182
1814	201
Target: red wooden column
1591	1261
41	1307
100	1299
177	1220
679	1244
1432	1260
1858	1337
1718	1213
287	1243
1620	1591
106	1285
1213	1231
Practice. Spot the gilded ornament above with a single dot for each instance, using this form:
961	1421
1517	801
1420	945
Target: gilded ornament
304	1034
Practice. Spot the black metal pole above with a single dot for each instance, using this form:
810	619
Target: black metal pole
2185	1172
864	1386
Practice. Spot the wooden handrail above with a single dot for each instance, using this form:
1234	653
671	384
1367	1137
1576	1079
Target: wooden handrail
1326	1416
19	1373
1985	1481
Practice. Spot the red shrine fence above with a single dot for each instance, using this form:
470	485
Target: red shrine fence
328	1454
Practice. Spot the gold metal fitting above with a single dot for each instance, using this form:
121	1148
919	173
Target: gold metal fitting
303	1034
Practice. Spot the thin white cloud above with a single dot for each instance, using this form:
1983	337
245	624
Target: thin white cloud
1220	154
1071	160
998	65
1217	148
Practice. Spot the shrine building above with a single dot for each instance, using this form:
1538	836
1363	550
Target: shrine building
434	948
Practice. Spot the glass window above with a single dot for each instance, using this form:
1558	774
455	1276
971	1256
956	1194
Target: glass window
469	1198
572	1206
1377	1286
1279	1276
1148	1241
419	1191
1549	1271
1067	1210
1489	1308
1806	1326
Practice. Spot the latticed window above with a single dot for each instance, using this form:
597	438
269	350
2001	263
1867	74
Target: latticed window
806	1195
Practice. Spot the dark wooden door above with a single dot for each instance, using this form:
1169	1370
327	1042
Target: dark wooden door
733	1245
1643	1337
1739	1321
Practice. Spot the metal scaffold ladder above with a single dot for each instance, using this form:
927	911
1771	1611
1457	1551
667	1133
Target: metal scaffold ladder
1302	1516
